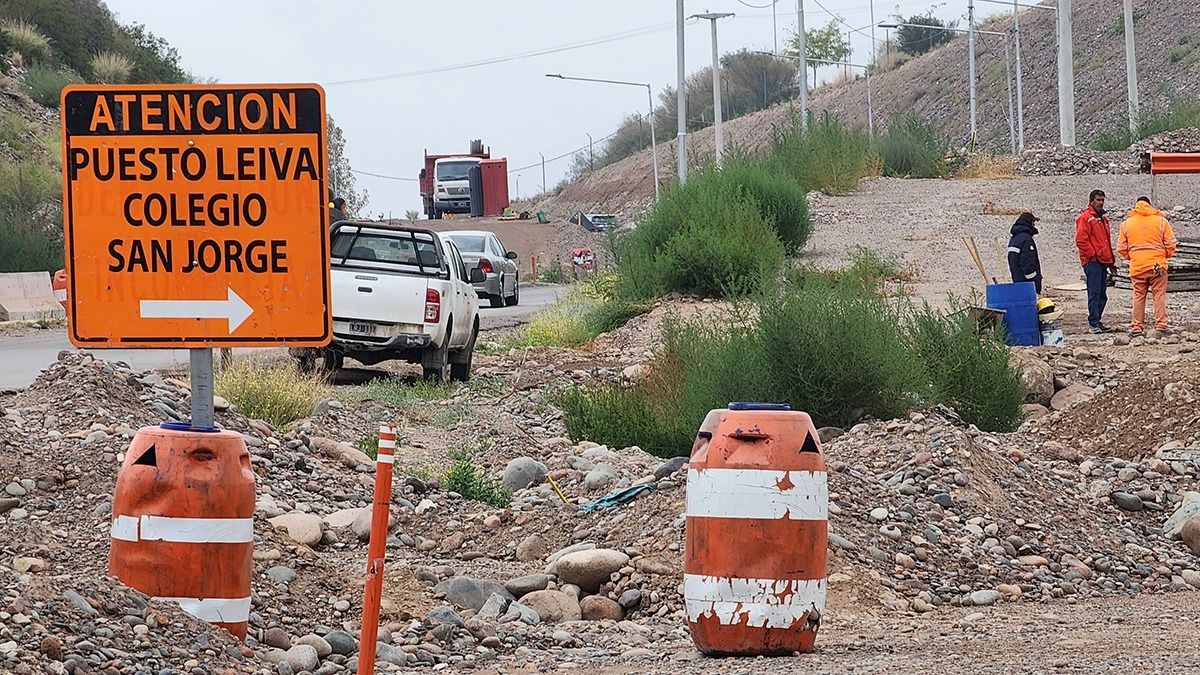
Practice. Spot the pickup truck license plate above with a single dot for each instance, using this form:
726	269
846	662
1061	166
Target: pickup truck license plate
362	328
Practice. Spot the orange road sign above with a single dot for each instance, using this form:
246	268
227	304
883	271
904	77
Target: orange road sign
195	215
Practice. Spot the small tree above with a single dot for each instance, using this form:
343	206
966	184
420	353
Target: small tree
412	214
822	44
341	178
926	33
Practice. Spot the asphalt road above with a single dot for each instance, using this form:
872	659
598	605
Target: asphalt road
23	357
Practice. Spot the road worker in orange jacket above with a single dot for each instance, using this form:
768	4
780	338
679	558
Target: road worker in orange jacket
1147	241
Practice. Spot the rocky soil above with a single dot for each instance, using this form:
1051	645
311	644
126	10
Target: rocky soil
942	536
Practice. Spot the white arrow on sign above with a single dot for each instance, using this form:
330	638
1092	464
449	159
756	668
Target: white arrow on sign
233	309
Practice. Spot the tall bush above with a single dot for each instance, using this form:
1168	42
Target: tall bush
780	198
828	155
912	148
708	238
968	372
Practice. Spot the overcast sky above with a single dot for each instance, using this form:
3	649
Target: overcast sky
390	121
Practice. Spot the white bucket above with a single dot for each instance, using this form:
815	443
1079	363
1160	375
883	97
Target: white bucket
1052	335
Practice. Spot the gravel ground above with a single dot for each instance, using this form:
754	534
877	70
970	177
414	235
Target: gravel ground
922	222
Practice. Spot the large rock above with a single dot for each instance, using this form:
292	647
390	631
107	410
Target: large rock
599	477
597	608
1190	534
527	584
1072	396
318	643
1126	501
470	593
589	569
341	642
1036	376
553	606
302	658
552	561
532	548
303	528
344	453
344	517
523	472
1188	509
669	467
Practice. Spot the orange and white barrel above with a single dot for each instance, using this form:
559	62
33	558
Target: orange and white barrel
59	284
183	523
757	512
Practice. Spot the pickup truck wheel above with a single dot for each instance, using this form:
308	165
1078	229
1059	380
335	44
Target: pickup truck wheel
498	299
435	361
460	364
515	298
307	361
332	361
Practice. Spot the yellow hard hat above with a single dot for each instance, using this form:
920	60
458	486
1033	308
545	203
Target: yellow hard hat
1045	306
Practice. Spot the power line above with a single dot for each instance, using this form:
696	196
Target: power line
579	44
767	6
380	175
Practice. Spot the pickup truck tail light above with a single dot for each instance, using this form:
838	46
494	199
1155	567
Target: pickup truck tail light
433	306
486	266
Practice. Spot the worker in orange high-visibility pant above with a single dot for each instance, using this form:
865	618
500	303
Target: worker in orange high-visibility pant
1147	241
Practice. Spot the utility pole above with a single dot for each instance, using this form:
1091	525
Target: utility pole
543	173
591	155
680	97
802	47
1020	89
1066	76
971	66
713	17
871	55
1131	76
775	25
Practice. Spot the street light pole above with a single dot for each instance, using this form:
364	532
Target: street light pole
802	47
680	98
971	66
1131	76
1066	76
649	117
591	155
1020	89
543	173
713	17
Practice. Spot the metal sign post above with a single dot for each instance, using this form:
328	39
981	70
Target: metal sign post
202	388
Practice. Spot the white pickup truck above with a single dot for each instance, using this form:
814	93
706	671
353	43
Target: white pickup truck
399	293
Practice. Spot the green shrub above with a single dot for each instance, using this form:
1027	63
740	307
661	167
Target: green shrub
45	84
6	46
780	198
612	314
468	480
912	148
30	244
968	372
275	394
110	68
401	392
561	325
552	273
1181	113
707	238
25	38
839	352
827	156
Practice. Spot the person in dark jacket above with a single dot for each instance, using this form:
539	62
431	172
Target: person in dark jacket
337	211
1023	261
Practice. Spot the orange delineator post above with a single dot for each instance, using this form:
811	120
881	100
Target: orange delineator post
377	549
533	266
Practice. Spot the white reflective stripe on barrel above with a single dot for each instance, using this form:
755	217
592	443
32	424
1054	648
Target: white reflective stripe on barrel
184	530
215	610
758	493
757	603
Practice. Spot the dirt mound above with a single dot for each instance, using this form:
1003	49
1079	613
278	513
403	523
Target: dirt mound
1134	418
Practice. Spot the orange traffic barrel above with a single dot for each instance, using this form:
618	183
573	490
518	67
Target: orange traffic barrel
757	512
183	522
59	284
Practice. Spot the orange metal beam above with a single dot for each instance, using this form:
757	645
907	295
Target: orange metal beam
1174	162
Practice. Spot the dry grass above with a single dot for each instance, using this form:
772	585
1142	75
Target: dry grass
111	68
26	39
984	165
277	394
990	209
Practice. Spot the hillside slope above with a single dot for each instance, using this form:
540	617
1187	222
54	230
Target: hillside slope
935	87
